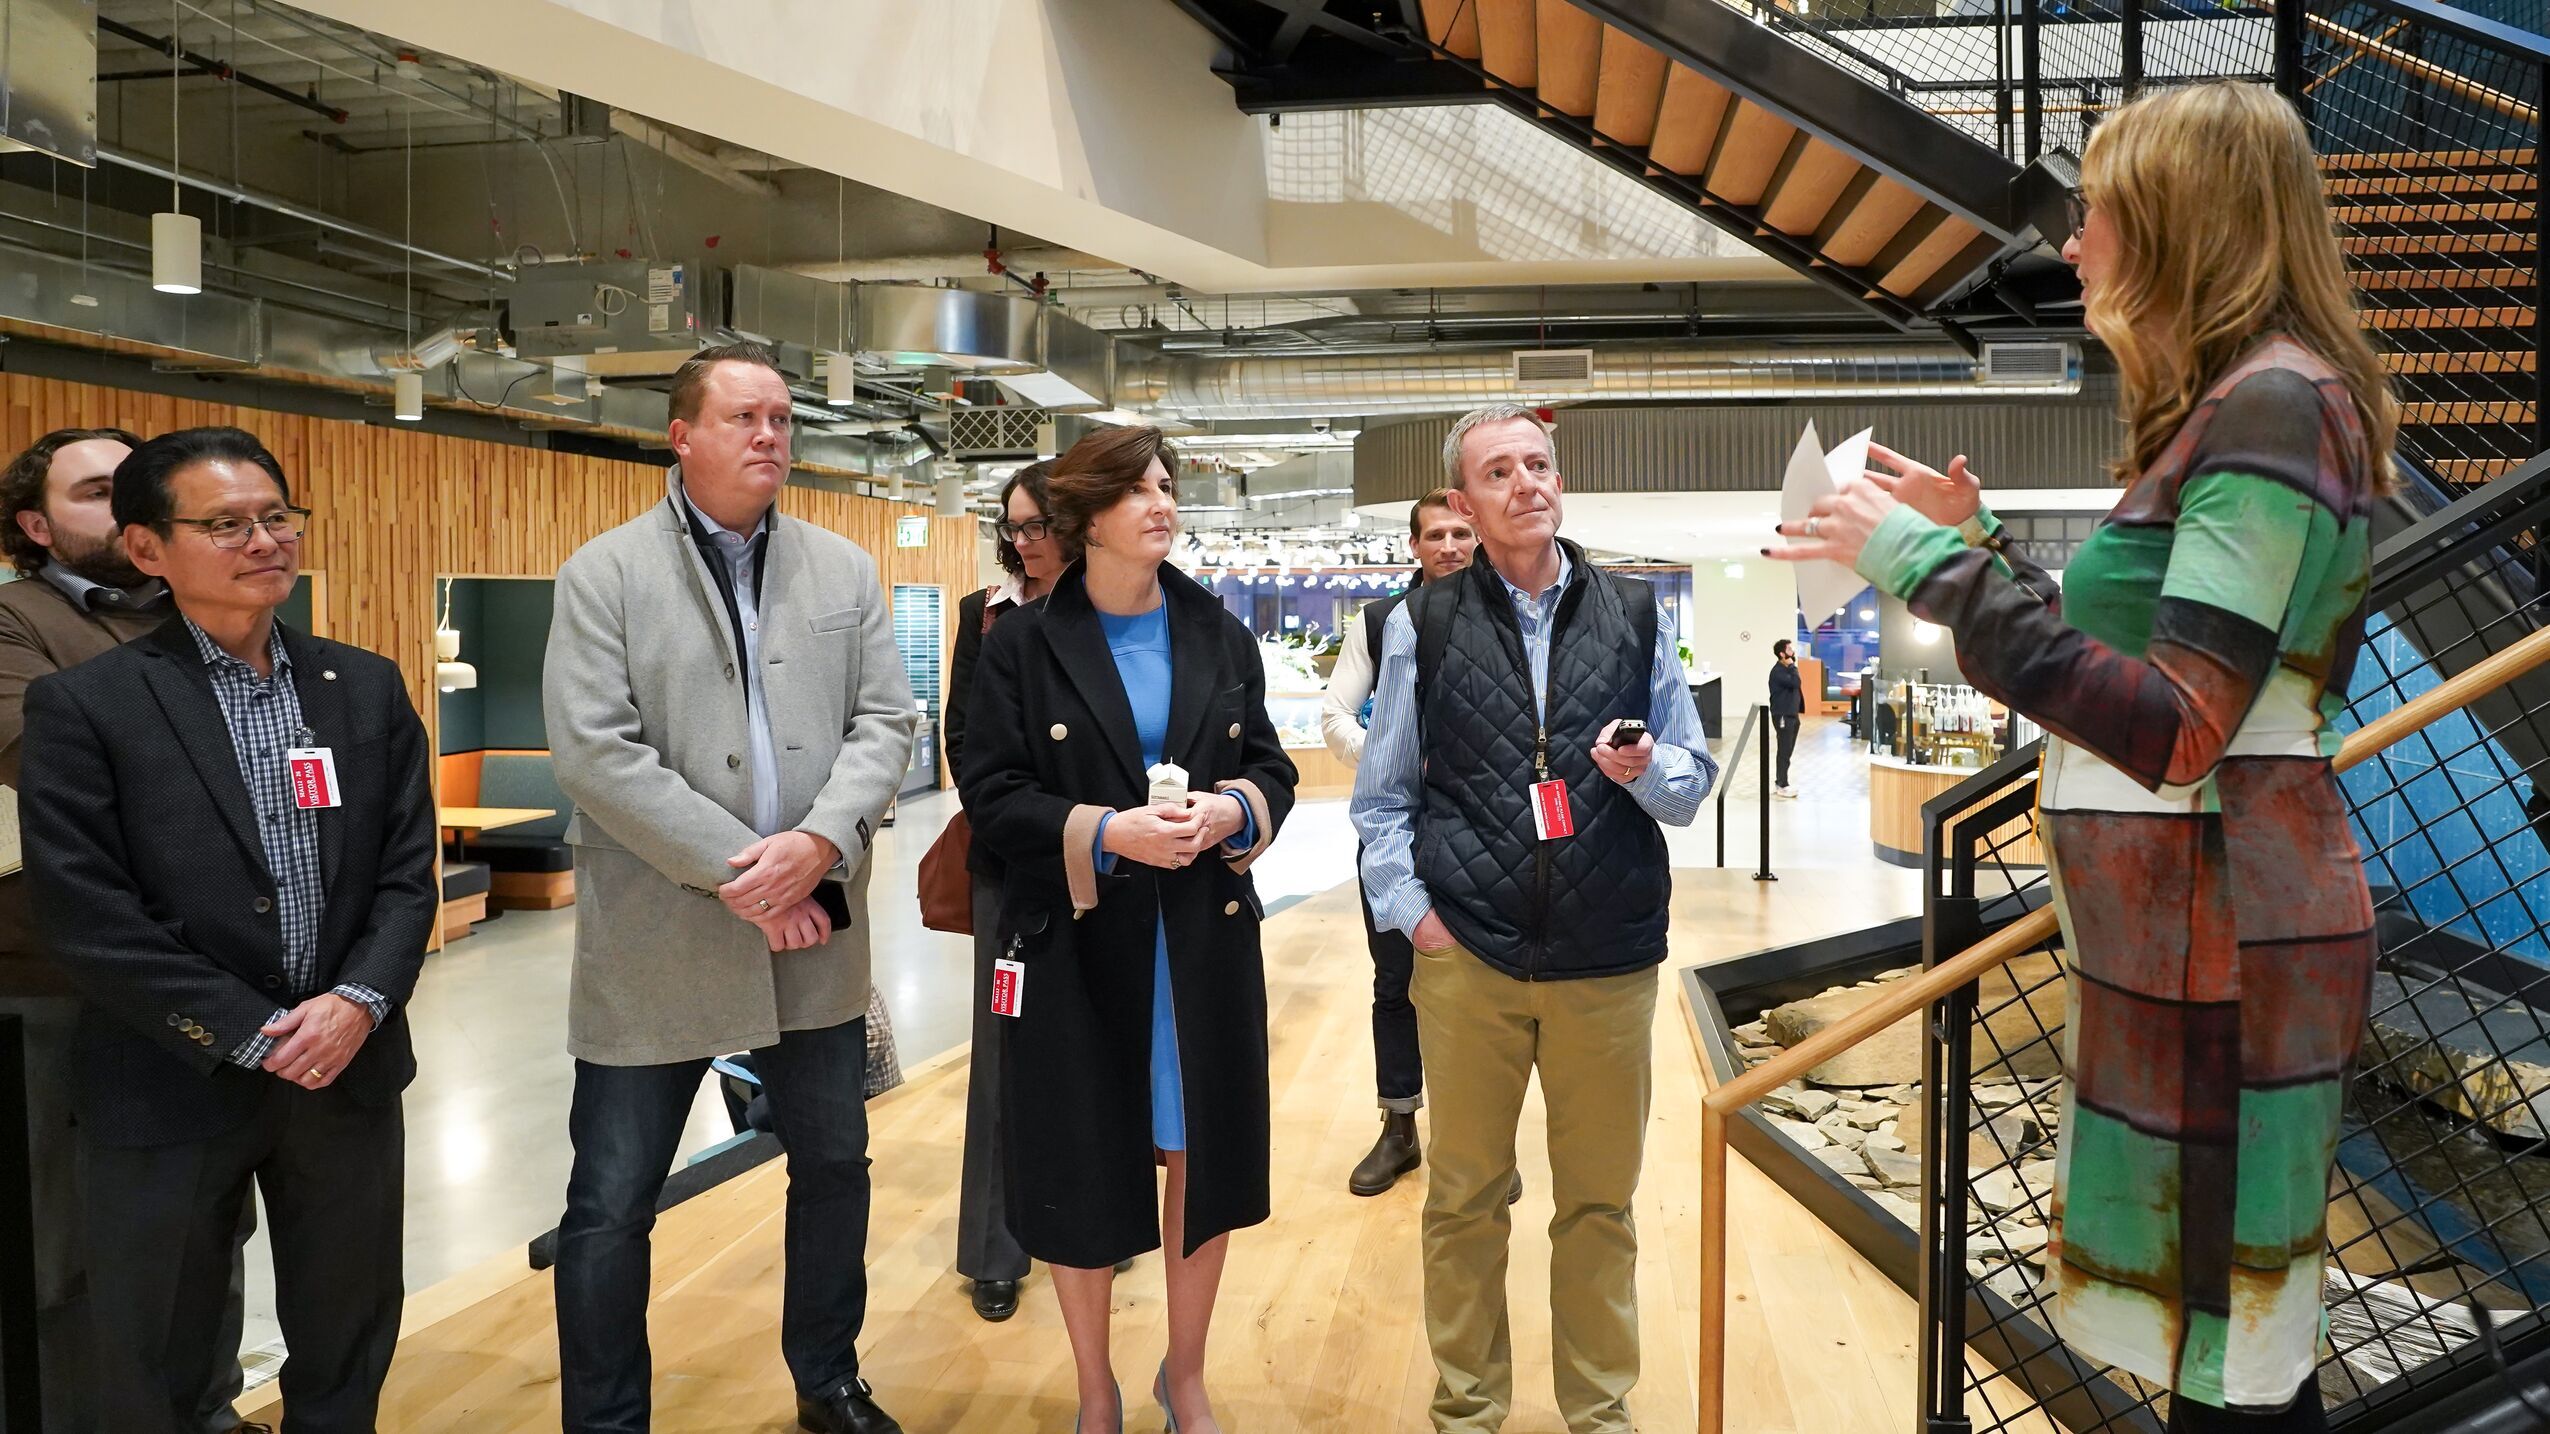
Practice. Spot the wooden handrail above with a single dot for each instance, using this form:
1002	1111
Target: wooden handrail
2421	68
1899	999
2351	61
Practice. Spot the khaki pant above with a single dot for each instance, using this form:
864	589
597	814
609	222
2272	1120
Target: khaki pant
1482	1033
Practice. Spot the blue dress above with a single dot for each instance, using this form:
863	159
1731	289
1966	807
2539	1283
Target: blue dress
1140	645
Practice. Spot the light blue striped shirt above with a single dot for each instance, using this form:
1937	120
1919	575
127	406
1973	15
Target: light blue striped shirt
742	553
1389	784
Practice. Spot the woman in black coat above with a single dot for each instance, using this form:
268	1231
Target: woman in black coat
1106	894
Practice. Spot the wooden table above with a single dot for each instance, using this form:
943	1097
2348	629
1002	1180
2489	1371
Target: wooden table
467	822
464	823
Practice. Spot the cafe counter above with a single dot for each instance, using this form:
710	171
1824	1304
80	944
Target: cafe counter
1897	791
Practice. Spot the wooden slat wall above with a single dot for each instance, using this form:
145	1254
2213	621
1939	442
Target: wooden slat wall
397	507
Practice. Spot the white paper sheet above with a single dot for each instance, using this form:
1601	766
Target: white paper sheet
1823	588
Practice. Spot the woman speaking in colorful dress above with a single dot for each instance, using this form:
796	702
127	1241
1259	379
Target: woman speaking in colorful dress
1120	764
2189	674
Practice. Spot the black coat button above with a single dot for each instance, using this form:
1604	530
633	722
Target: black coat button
264	905
274	983
733	761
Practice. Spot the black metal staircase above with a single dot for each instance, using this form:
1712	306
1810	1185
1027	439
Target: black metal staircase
1886	149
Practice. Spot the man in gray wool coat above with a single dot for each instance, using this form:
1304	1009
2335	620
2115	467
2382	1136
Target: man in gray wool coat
730	717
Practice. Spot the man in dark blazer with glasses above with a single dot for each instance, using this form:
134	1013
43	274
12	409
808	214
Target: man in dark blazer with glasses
229	841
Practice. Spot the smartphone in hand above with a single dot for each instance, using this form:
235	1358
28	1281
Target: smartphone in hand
1627	733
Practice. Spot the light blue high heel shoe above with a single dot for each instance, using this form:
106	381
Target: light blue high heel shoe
1160	1392
1119	1429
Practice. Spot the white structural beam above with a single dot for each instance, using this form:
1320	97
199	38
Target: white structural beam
1097	125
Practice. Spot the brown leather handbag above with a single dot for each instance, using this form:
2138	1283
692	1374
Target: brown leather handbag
947	888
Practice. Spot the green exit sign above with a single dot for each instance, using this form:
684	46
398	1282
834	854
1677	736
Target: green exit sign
912	532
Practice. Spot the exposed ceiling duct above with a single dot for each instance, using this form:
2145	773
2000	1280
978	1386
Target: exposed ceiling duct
231	333
140	164
922	268
1435	382
1050	360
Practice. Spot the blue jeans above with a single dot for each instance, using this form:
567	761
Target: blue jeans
625	1124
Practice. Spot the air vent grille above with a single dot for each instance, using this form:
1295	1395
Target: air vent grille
1542	369
994	432
2026	363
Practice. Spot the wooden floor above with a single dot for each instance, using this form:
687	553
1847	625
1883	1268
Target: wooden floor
1318	1328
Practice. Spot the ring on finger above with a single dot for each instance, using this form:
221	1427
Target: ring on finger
1810	527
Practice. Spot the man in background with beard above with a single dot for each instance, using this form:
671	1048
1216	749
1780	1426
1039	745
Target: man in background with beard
77	596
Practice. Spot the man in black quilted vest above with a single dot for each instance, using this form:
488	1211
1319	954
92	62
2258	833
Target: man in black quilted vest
1520	849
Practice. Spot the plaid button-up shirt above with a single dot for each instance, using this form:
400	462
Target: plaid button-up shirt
264	717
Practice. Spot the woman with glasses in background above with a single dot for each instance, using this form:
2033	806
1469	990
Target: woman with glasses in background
1031	557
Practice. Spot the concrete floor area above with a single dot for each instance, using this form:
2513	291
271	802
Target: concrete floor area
487	1154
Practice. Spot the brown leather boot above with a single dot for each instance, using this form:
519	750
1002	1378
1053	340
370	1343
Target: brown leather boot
1393	1155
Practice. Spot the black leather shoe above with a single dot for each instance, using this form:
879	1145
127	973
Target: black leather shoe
1514	1191
849	1409
995	1300
1391	1156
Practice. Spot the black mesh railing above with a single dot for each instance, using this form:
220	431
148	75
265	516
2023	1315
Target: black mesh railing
2439	1209
2023	76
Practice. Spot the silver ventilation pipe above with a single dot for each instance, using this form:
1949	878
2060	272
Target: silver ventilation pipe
1323	386
216	331
289	210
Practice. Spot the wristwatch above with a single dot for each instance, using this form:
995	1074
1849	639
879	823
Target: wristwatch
1976	535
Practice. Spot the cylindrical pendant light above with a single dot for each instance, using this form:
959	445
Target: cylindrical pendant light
840	380
177	238
407	395
177	253
951	490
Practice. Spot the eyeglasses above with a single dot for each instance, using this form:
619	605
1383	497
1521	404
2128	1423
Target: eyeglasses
284	525
1034	530
2076	211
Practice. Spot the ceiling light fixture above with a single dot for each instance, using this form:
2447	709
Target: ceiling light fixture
450	673
177	238
407	386
840	370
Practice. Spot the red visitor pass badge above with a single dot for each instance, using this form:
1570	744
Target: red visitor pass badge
313	777
1550	814
1009	979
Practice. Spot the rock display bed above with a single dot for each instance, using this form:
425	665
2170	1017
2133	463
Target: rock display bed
1860	1115
2476	1054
